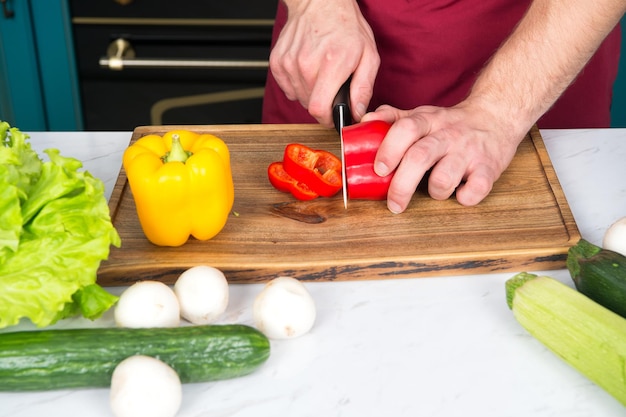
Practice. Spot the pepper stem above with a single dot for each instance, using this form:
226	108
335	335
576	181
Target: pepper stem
177	153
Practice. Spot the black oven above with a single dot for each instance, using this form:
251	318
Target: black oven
154	62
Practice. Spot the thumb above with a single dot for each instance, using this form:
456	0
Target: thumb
361	90
385	113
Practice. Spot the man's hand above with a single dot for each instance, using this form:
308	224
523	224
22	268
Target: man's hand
466	150
322	44
468	146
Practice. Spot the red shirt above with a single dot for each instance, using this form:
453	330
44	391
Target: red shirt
432	51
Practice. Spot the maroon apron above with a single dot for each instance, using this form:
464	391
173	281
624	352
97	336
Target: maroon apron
432	51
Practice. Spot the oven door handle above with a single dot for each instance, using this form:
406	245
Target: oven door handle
119	64
121	54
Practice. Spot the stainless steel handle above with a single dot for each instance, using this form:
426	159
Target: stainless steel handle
120	64
121	54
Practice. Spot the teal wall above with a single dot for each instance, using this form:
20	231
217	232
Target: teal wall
52	23
618	111
20	71
6	108
38	37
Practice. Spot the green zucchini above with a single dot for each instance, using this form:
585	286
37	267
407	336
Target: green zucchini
77	358
600	274
589	337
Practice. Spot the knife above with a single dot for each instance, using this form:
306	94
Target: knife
342	118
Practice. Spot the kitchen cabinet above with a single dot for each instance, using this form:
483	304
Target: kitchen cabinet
147	63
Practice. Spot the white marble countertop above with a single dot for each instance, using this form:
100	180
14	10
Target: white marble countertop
446	346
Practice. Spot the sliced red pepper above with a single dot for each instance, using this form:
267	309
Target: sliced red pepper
361	142
301	191
319	169
279	178
284	182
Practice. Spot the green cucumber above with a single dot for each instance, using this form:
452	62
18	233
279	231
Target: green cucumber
80	358
600	274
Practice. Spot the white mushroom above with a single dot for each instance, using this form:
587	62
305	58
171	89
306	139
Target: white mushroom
142	386
284	309
202	293
147	304
615	237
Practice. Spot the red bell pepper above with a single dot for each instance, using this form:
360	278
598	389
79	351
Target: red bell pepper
361	142
284	182
319	169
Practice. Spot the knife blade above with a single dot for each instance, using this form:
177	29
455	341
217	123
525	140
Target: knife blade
342	117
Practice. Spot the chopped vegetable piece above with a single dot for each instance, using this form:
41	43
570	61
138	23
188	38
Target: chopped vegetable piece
320	170
284	182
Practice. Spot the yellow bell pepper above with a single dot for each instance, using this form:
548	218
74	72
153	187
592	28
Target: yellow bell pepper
182	185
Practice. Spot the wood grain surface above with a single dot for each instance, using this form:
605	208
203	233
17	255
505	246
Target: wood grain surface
525	223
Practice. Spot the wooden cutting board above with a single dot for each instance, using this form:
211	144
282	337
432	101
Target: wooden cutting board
525	224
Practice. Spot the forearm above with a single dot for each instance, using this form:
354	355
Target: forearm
320	7
542	57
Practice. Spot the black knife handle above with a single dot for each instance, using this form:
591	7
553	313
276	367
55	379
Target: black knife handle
341	104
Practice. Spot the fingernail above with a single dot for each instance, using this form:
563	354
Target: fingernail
381	169
394	207
361	109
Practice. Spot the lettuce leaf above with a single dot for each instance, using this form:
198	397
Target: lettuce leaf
55	229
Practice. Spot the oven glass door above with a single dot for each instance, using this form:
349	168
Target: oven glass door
153	69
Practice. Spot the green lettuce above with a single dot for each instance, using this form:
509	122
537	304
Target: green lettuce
55	229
